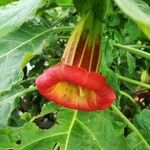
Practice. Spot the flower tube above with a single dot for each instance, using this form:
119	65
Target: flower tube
75	82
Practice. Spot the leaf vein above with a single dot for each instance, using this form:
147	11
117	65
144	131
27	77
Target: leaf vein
91	133
50	136
25	43
70	128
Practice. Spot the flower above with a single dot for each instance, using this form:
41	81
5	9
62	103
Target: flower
75	82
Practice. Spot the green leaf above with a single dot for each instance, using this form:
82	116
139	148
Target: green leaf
111	77
109	52
135	139
16	50
131	63
139	11
129	30
134	143
147	1
146	135
5	2
64	2
100	8
7	103
142	120
82	6
114	20
145	76
108	56
15	14
83	130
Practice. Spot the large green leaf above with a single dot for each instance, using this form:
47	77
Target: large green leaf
142	120
15	14
7	103
64	2
16	50
75	130
139	11
5	2
135	143
131	63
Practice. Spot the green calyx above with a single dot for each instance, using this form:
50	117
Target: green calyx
91	26
100	8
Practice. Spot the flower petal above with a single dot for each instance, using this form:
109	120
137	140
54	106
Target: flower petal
75	88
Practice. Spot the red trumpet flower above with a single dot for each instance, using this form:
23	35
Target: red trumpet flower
75	83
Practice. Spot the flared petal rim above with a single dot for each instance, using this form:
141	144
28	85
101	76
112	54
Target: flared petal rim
100	95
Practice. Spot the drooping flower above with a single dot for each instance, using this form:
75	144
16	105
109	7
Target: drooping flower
75	82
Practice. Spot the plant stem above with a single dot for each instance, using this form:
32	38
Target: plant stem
65	5
130	125
63	37
133	50
26	80
128	96
62	29
133	81
131	99
139	46
31	89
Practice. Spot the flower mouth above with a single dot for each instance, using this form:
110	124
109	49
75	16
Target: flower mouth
73	96
76	88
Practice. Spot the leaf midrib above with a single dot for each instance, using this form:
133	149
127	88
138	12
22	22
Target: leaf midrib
17	94
34	37
89	131
61	133
46	137
68	133
70	128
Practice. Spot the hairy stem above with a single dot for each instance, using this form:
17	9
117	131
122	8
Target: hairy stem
65	5
140	46
130	125
131	99
133	50
63	37
133	81
62	29
26	80
128	96
31	89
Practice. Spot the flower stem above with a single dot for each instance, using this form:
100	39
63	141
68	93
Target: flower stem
140	46
26	80
128	96
31	89
62	29
130	125
65	5
133	50
131	99
133	81
63	37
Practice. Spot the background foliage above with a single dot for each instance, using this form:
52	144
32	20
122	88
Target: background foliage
33	36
